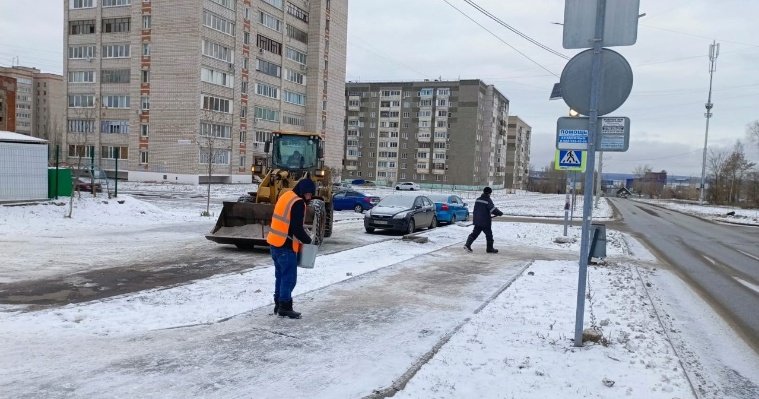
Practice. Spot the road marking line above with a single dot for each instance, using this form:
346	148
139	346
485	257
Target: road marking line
709	259
748	254
747	284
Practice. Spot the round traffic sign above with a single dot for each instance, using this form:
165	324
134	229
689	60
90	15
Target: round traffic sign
616	81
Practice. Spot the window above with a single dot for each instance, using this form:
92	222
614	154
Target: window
269	21
208	129
275	3
145	103
263	89
244	87
215	50
216	77
116	3
146	49
267	114
81	126
119	126
218	157
294	98
143	157
218	23
425	93
146	22
297	34
246	37
243	162
144	130
442	113
226	3
116	51
115	25
81	151
444	92
269	45
116	101
297	120
245	63
109	152
81	101
295	77
145	76
81	52
82	77
262	136
82	27
297	12
295	55
442	102
268	68
217	104
243	112
243	136
75	4
115	76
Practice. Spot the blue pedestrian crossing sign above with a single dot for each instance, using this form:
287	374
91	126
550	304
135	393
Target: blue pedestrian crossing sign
573	160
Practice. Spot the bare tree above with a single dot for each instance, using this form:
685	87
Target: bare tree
214	147
752	132
639	184
78	142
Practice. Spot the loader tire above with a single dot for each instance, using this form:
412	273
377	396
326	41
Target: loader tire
330	219
320	221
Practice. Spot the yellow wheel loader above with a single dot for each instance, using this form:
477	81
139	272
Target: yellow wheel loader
294	156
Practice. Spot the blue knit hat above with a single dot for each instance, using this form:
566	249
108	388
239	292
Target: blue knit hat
304	186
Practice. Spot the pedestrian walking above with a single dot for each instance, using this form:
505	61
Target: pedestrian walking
483	209
285	240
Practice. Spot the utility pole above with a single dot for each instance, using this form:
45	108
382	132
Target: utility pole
599	179
713	54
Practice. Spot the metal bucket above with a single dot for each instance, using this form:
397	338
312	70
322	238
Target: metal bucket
307	256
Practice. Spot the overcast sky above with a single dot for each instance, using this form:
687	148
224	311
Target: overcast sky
391	40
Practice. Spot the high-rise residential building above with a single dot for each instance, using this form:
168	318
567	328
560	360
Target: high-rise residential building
7	104
169	86
431	132
518	153
39	102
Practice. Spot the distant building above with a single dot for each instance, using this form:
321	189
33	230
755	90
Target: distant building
171	86
7	104
39	103
429	132
518	153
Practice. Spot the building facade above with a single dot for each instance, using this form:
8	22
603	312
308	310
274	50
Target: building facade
167	87
7	104
518	153
39	106
431	132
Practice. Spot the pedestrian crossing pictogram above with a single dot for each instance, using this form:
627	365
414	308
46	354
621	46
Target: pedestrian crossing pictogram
570	159
573	160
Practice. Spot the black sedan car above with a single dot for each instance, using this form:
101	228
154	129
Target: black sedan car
402	213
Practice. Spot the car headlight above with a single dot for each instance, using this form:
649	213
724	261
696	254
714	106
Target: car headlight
401	215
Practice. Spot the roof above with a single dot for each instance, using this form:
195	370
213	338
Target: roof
19	138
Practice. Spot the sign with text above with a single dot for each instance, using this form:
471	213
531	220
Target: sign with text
614	134
572	134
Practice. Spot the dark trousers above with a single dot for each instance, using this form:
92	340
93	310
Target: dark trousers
285	272
476	233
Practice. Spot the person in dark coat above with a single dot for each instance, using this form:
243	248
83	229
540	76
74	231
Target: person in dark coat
483	209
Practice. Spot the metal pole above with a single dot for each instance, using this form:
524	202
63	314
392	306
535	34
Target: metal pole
713	54
587	203
599	179
566	212
116	177
57	152
574	198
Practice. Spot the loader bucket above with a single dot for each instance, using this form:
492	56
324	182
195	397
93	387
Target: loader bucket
243	224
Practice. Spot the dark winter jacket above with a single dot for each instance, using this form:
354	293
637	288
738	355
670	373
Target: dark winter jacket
298	213
483	208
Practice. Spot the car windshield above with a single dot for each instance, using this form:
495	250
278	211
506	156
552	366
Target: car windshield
439	198
294	152
397	201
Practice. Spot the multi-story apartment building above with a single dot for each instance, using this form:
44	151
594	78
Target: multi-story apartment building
169	86
39	102
430	132
7	104
518	153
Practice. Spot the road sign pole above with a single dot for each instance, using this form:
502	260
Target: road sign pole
587	204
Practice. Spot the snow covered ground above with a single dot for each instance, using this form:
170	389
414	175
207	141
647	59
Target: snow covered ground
428	320
716	213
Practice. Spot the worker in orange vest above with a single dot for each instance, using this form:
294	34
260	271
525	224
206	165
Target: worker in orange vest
285	238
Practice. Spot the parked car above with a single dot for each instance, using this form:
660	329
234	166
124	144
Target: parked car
85	186
341	186
402	213
449	208
355	200
407	185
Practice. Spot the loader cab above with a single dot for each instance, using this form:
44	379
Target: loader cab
295	152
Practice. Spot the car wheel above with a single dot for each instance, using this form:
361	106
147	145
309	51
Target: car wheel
433	224
453	219
369	229
358	208
412	189
411	226
397	188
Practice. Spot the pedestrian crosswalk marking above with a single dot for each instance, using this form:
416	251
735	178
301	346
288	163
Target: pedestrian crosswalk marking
570	158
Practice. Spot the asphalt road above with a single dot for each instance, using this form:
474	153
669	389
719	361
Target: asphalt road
721	261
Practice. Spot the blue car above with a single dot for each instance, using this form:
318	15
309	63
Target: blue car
355	200
449	208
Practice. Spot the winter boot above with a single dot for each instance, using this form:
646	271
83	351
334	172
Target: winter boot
468	244
276	307
490	249
286	310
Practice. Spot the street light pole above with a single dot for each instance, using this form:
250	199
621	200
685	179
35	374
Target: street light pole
713	54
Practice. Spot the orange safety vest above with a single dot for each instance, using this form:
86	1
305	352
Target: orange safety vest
280	221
